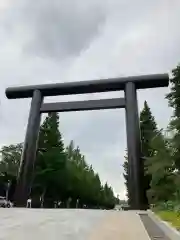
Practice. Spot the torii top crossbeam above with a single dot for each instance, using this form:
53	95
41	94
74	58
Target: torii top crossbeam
102	85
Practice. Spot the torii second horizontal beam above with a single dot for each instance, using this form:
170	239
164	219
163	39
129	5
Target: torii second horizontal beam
83	105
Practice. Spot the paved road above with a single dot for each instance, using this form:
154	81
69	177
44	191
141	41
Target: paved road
69	224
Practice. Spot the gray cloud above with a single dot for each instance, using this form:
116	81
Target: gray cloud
42	43
57	29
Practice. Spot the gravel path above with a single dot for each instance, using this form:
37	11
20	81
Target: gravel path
70	224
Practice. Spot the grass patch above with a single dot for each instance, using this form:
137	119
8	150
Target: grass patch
171	217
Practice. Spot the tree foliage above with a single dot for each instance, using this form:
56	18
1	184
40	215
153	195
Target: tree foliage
160	168
174	126
125	174
148	130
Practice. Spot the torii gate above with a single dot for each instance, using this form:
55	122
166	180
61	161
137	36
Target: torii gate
129	102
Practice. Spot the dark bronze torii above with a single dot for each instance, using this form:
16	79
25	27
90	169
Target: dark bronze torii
129	102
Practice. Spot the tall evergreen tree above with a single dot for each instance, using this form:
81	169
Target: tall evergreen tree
51	160
10	160
125	174
148	130
84	184
160	168
9	166
174	102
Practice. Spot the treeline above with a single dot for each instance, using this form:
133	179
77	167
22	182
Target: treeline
161	152
61	175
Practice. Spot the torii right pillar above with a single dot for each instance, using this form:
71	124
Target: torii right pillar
135	163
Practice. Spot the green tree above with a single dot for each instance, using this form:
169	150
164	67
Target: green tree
174	102
160	168
84	184
10	159
50	167
9	166
148	129
125	174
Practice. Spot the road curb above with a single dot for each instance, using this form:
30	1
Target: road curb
170	231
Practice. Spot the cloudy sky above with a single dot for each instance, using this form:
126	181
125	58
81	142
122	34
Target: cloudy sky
48	41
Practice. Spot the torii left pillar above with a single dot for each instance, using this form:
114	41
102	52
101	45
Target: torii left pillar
28	156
